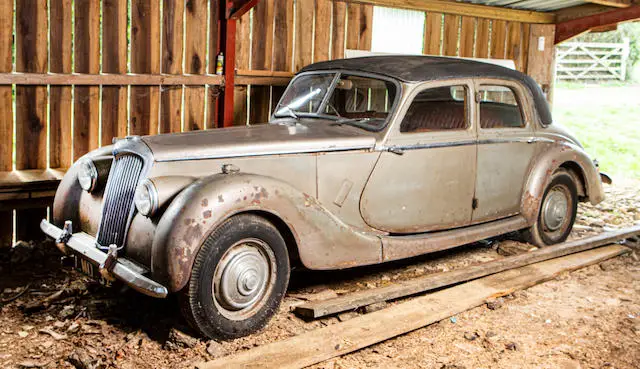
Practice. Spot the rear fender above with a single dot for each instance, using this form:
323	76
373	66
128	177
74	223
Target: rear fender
322	240
552	156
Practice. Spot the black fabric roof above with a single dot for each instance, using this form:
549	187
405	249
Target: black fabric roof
409	68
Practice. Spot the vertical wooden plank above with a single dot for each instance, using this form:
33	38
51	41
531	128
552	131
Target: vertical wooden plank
31	101
526	30
145	58
6	113
467	36
353	25
304	34
240	106
541	62
433	34
498	39
60	147
114	60
514	44
283	35
243	42
195	57
262	40
259	105
6	106
172	48
483	32
366	27
213	91
31	104
338	30
450	37
86	103
322	31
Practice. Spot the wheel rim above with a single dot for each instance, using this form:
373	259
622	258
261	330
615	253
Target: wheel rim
556	208
244	278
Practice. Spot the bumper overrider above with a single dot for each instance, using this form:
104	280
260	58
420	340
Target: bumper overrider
110	265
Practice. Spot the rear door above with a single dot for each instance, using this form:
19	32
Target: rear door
505	148
425	177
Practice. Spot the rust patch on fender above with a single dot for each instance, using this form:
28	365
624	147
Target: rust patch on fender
193	234
220	198
206	214
204	203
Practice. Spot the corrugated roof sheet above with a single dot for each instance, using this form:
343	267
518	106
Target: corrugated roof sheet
537	5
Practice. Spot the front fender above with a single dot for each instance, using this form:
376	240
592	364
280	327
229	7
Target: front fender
552	156
323	241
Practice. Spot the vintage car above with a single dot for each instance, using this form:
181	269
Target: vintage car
364	161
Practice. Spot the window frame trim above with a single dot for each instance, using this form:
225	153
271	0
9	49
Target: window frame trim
523	103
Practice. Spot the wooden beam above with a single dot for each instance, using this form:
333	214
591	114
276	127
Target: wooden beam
239	8
350	301
569	29
81	79
566	14
612	3
472	10
338	339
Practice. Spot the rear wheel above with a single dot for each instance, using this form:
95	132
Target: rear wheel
238	280
557	211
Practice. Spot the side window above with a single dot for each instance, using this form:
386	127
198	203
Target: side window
499	108
437	109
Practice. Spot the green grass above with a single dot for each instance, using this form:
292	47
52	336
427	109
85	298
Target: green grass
606	120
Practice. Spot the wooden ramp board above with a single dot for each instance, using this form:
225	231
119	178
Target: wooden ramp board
350	301
342	338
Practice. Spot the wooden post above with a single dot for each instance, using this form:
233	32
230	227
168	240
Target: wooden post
6	113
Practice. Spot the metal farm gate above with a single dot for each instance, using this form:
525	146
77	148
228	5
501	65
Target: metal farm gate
592	60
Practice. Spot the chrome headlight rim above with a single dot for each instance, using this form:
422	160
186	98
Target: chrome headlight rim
147	191
88	170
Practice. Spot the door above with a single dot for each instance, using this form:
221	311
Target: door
424	179
505	149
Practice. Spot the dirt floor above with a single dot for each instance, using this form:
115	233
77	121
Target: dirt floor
586	319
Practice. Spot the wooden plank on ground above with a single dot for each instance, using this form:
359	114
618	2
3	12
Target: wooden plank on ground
145	58
6	113
425	283
172	48
483	32
6	105
60	142
433	34
342	338
304	34
114	60
322	30
467	37
450	37
195	58
283	35
338	30
86	102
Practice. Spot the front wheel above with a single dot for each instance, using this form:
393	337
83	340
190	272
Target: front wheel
238	280
557	212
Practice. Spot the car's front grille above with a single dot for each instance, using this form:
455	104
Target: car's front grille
117	208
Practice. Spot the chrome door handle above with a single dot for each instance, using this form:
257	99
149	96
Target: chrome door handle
531	140
396	150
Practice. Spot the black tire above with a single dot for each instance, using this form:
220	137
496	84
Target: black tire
209	312
540	234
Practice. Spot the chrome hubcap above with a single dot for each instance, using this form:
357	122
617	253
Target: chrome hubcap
555	208
243	278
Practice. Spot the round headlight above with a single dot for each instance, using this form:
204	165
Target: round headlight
146	198
88	175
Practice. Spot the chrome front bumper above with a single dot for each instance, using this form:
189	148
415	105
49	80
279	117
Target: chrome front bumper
122	269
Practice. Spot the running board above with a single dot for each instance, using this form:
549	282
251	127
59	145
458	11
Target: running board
400	247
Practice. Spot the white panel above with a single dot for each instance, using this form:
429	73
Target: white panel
397	30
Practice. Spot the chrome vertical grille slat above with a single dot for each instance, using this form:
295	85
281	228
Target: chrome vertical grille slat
118	200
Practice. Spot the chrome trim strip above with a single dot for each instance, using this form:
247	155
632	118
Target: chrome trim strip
123	269
461	143
269	153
